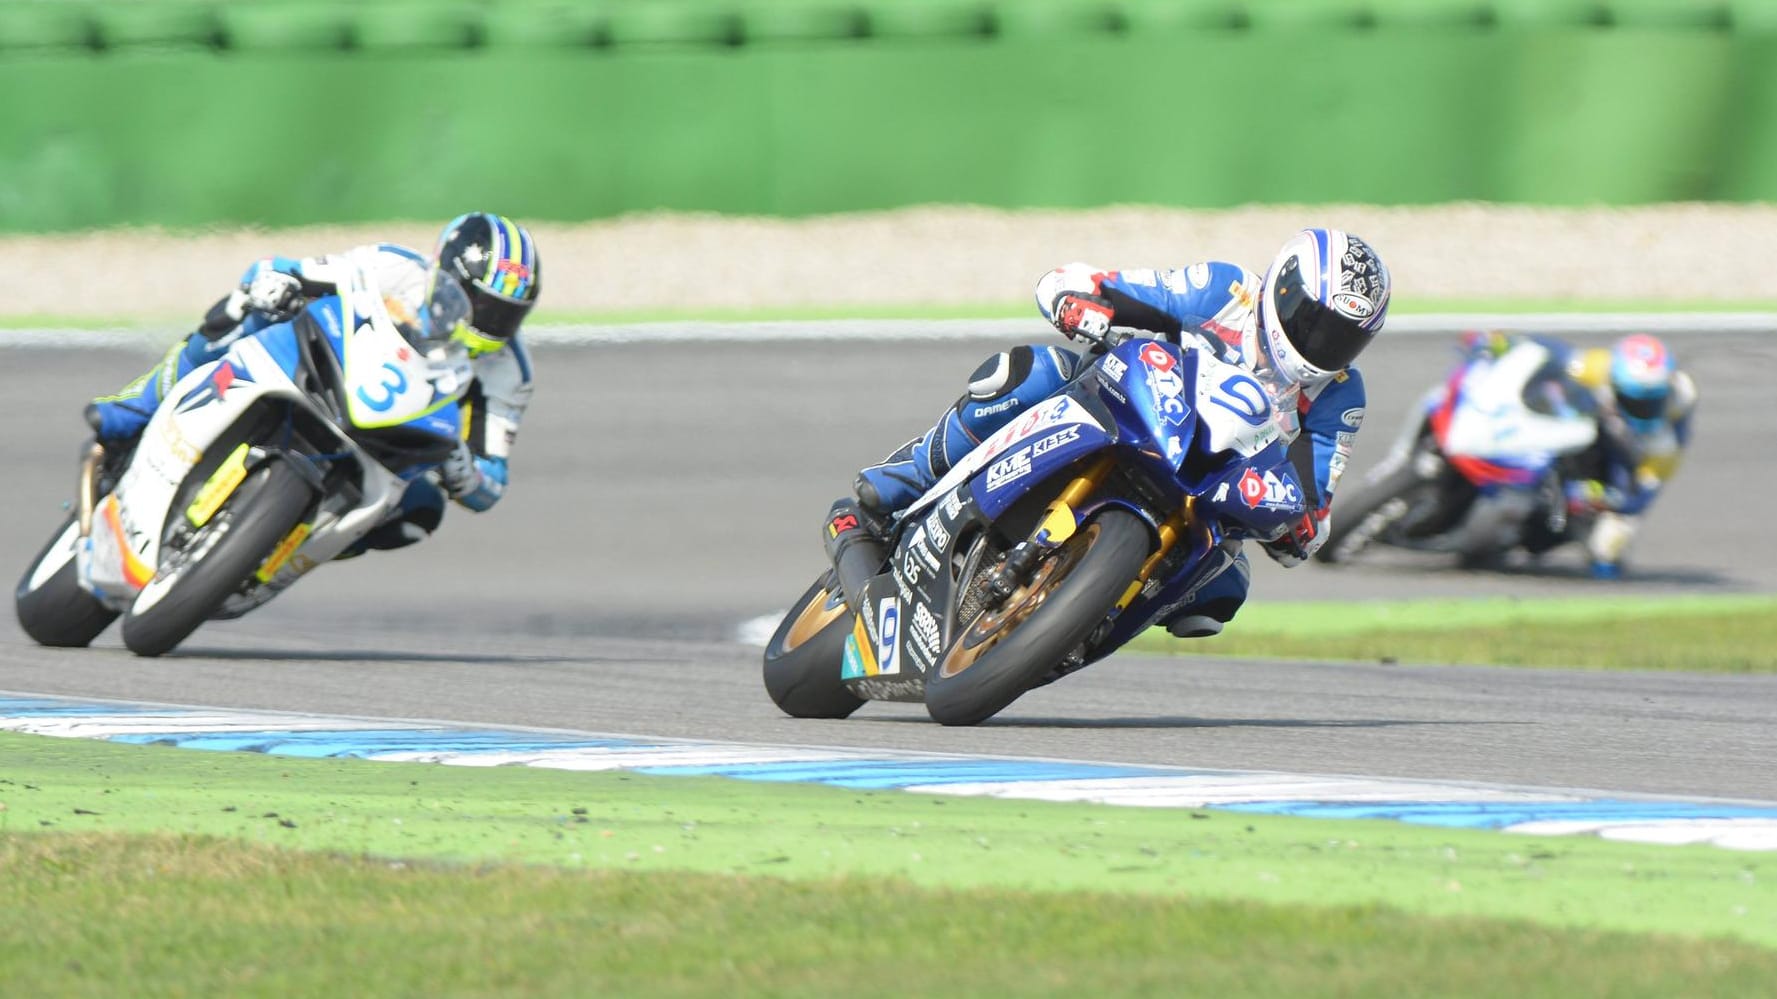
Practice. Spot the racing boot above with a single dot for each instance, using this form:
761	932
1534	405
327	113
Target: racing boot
420	513
120	418
1215	601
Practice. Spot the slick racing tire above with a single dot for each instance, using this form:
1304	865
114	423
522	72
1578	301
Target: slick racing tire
194	580
1006	650
51	606
1371	514
804	657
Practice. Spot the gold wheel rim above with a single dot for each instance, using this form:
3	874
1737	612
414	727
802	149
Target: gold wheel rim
990	627
815	616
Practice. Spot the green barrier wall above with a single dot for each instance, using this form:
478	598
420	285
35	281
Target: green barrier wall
267	114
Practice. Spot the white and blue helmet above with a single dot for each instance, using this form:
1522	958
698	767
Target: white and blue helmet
1325	298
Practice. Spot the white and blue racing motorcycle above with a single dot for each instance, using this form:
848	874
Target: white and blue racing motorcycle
255	469
1055	541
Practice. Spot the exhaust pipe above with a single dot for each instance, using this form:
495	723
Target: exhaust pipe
856	552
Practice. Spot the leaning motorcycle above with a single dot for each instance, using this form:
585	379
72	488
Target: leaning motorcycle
1477	469
255	469
1055	541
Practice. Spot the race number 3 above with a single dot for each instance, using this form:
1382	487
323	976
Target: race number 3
391	389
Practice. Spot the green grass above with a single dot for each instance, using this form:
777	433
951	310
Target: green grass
170	915
888	863
1696	634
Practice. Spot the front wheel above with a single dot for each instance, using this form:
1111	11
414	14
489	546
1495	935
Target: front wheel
51	606
1372	514
805	655
1003	651
195	579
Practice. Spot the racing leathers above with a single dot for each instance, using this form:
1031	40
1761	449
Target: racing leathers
272	291
1612	484
1213	302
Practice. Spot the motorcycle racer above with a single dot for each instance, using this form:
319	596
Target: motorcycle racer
494	259
1298	329
1642	405
1645	403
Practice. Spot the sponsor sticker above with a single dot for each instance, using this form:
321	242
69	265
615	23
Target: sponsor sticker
1018	464
925	631
998	407
1114	368
1011	468
1271	491
953	503
1252	488
1356	306
1157	357
935	530
1353	417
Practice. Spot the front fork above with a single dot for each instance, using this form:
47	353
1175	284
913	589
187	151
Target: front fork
1059	522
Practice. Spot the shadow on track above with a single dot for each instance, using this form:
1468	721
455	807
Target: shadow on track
1188	722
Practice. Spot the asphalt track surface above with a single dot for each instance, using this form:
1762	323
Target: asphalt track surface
665	493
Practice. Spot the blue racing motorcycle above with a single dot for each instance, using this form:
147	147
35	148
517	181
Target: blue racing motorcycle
1088	518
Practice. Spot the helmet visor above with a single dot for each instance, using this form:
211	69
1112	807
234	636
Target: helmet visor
497	316
1643	408
1327	339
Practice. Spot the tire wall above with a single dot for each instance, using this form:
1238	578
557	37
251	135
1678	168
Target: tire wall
274	114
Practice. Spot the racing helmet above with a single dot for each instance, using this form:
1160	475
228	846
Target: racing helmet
1324	299
496	260
1641	373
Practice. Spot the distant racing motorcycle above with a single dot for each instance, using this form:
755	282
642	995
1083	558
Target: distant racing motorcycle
1047	547
254	470
1477	469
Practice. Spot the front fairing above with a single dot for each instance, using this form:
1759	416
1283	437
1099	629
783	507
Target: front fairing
401	403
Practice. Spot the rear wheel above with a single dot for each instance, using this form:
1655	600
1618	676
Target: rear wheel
1003	651
805	655
51	606
194	579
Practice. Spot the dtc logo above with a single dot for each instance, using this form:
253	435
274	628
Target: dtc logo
1157	357
1252	488
1270	491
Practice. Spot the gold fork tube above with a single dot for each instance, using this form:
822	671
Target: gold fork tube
87	490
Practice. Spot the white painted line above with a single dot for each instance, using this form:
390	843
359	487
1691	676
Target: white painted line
615	758
757	631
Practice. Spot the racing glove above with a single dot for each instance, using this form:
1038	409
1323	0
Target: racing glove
1586	496
1077	312
1299	541
273	294
477	483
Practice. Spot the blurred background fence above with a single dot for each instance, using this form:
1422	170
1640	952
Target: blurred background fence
279	112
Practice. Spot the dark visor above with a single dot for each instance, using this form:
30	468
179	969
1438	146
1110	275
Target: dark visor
1641	409
1324	338
495	316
